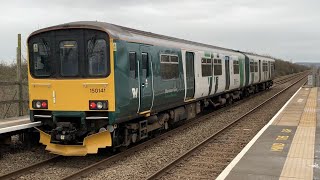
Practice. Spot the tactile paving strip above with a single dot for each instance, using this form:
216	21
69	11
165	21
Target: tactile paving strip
300	158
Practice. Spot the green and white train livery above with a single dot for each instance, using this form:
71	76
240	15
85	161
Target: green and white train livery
128	84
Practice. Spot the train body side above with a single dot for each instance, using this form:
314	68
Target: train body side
141	90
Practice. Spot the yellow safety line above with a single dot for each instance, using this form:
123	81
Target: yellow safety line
300	158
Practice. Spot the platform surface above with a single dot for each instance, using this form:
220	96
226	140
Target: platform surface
16	124
289	148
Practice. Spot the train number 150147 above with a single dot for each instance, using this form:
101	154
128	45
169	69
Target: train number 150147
97	90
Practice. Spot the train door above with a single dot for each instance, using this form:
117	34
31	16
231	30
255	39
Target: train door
235	80
145	73
259	71
247	70
190	75
227	68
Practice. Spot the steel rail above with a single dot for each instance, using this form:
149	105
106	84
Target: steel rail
289	77
173	163
29	169
110	160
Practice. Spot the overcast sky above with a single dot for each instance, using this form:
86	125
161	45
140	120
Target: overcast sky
288	29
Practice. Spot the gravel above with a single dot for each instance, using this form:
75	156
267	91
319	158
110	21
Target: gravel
143	163
140	164
63	167
227	145
17	156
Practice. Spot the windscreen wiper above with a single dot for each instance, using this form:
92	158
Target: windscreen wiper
93	40
45	44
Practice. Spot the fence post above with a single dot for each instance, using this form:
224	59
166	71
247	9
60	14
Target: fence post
19	76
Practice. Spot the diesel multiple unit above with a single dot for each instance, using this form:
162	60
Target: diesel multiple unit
95	85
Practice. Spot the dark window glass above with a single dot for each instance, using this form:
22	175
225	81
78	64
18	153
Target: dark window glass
133	62
206	67
255	66
165	58
69	58
235	67
169	71
265	66
144	60
206	70
251	66
218	70
41	62
217	67
174	59
97	57
145	64
169	67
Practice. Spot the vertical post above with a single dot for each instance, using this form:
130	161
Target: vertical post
19	76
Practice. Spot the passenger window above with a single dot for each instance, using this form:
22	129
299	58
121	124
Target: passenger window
133	62
174	59
265	66
97	57
145	64
251	66
217	65
206	67
255	66
235	67
165	58
69	58
169	67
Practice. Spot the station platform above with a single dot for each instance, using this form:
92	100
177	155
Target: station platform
16	124
288	147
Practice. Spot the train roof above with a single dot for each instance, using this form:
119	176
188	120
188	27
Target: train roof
134	35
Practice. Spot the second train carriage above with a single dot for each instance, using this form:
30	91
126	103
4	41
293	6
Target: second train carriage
95	84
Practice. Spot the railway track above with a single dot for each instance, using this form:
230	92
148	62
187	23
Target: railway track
109	161
83	172
29	169
287	78
197	163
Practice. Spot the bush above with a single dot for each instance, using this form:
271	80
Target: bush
285	68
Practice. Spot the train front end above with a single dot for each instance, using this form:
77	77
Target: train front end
71	88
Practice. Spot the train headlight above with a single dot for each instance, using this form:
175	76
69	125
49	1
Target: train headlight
98	105
40	104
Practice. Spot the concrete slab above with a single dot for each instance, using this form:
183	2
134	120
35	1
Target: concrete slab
288	149
16	124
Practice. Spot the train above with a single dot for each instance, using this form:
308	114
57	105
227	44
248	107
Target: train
96	85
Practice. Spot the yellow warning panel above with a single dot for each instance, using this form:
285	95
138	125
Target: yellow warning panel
286	130
282	138
277	147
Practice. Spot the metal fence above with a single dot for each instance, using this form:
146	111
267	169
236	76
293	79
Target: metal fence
18	96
